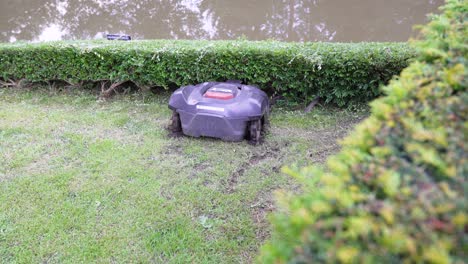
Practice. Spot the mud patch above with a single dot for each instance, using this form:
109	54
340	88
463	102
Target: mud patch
165	193
173	148
234	179
172	134
321	155
200	167
257	157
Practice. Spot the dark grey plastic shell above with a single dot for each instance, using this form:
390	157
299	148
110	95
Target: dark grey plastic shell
225	119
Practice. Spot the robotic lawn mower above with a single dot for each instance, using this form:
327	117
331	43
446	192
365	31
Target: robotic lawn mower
230	111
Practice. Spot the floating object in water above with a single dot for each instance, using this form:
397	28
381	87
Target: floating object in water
118	37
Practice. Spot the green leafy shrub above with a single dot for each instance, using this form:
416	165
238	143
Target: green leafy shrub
337	72
397	190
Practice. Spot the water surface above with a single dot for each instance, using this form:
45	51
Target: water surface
294	20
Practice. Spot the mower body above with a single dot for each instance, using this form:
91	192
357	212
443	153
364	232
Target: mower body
222	110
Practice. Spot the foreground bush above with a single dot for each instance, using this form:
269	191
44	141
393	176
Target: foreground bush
337	72
397	190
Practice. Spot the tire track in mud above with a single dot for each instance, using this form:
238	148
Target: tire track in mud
256	158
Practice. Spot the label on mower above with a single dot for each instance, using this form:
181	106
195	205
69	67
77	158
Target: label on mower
210	108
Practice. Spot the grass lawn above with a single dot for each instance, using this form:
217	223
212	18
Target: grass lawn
88	181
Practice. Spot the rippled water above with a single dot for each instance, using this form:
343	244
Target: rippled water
294	20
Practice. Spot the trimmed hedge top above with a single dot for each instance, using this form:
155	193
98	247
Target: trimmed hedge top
396	193
338	72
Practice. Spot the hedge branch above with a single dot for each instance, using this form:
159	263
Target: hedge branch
105	93
103	86
12	83
312	104
7	84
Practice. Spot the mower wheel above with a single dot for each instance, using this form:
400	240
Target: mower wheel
175	125
255	131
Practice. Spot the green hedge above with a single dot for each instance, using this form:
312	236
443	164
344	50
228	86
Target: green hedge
396	193
337	72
